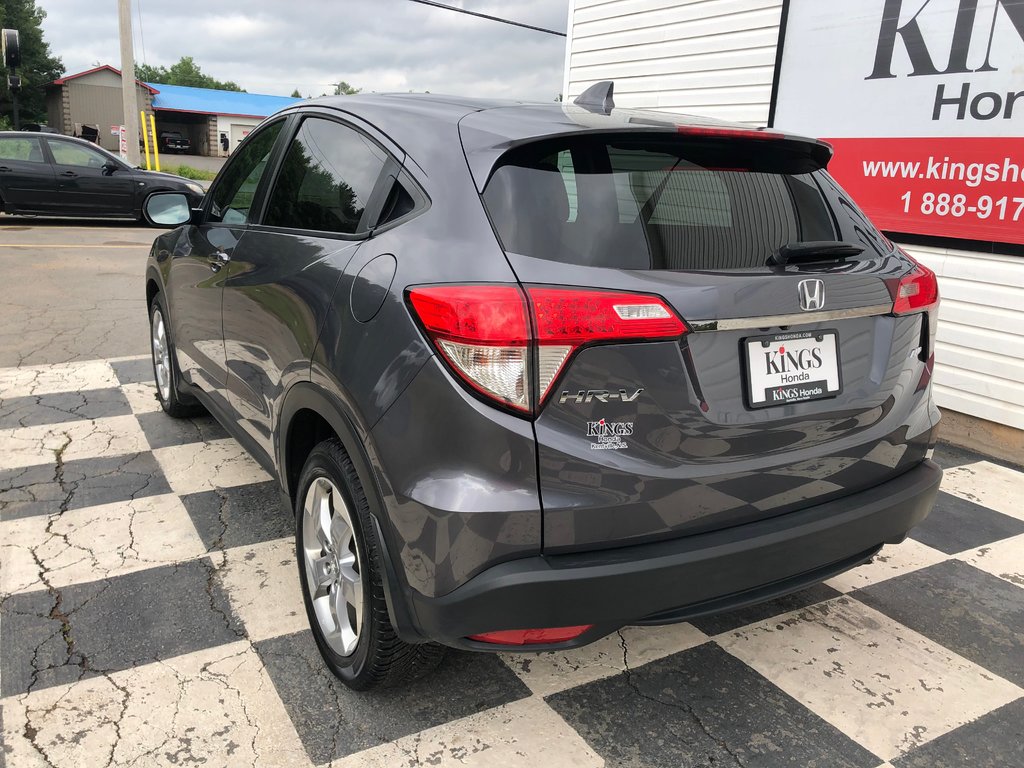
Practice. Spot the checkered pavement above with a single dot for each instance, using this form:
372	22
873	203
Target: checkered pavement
150	615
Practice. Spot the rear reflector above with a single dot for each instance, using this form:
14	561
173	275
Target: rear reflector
487	333
532	636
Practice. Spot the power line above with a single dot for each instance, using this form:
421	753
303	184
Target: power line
142	35
487	16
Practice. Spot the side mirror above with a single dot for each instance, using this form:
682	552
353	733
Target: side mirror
167	209
109	168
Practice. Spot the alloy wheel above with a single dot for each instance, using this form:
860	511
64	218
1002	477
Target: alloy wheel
161	355
331	560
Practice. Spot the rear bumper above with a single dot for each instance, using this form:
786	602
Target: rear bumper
671	581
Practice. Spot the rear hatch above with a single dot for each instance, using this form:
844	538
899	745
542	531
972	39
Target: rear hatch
794	384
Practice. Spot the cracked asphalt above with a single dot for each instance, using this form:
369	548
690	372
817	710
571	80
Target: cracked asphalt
150	612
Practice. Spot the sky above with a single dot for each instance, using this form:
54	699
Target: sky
274	46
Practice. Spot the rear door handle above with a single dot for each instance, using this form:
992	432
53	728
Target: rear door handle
70	174
4	169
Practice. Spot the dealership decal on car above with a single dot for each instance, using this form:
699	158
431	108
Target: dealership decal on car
609	434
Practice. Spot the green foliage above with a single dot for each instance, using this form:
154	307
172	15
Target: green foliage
296	94
38	65
185	72
188	172
344	89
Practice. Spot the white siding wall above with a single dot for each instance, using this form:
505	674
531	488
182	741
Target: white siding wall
717	58
980	343
705	57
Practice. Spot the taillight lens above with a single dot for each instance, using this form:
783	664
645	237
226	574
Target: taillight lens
486	333
483	331
916	292
567	319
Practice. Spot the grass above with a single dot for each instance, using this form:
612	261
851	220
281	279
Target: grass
188	172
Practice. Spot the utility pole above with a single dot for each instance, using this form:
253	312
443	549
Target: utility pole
129	93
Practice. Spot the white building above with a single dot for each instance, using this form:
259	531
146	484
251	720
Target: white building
841	70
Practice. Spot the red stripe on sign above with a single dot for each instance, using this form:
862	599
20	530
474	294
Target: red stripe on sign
969	188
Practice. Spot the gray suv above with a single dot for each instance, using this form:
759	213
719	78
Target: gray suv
529	373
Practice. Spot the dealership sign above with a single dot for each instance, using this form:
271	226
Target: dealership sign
923	101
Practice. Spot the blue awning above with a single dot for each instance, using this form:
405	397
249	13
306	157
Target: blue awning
180	98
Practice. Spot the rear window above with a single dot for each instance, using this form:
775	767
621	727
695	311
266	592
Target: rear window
653	203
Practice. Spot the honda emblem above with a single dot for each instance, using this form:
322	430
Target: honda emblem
812	294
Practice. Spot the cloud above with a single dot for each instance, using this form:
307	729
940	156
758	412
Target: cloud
274	46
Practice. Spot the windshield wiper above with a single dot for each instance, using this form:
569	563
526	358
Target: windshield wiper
812	251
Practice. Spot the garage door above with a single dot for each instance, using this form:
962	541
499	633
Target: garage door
239	132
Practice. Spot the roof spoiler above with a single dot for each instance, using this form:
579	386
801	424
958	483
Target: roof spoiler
597	98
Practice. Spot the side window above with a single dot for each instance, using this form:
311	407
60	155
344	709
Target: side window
326	179
66	153
399	203
233	196
25	150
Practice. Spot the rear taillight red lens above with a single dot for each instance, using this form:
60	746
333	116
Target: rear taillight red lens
483	331
487	334
532	636
916	292
568	318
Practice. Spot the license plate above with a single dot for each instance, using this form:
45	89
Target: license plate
792	368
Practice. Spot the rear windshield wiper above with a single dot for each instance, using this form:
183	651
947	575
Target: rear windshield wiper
812	251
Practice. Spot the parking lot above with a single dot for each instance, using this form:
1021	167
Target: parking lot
150	611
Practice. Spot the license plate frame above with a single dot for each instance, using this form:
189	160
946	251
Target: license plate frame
822	382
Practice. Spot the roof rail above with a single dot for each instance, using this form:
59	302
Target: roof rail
597	98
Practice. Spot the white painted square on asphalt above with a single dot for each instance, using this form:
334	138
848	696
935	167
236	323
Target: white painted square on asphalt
94	543
196	467
893	560
882	684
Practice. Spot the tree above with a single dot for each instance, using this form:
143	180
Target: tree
344	89
296	94
184	72
38	65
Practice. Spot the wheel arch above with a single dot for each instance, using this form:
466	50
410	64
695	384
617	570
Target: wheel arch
309	415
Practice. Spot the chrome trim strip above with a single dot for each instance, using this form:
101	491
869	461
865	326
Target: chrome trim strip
771	321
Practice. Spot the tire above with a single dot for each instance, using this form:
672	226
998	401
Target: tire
338	549
165	366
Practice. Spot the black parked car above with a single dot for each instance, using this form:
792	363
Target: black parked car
528	373
63	176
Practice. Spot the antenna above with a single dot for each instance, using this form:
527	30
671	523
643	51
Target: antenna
597	98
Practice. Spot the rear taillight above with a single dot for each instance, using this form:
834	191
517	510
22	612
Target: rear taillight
567	319
917	291
487	333
532	636
483	331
